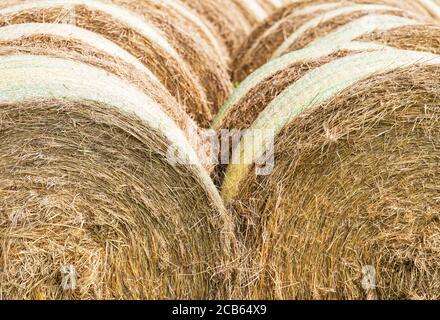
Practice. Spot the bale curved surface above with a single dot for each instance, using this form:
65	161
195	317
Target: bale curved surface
332	21
364	25
193	39
86	182
133	33
71	42
228	20
354	186
271	79
389	31
265	84
270	35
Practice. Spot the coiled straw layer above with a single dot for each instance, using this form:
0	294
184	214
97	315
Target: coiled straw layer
87	186
354	185
299	24
71	42
368	33
193	39
142	39
230	24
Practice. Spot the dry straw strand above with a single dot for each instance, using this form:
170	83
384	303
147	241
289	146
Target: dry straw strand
252	10
417	37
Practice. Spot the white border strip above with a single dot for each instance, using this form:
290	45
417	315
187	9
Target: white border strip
69	32
275	66
125	16
324	18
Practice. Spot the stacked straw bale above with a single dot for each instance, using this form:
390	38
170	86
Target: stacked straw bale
262	86
105	190
179	49
354	186
91	205
194	40
301	23
226	17
71	42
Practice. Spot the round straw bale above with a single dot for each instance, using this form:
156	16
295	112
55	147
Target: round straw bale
265	84
138	36
228	20
356	21
175	11
92	207
71	42
350	210
301	19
